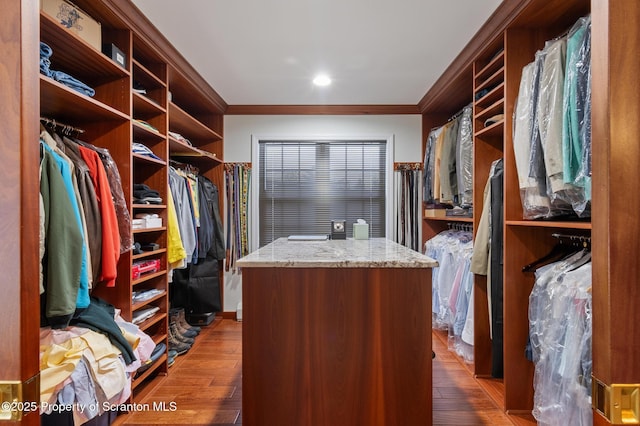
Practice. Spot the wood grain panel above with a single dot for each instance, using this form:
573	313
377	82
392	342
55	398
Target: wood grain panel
317	351
19	194
616	246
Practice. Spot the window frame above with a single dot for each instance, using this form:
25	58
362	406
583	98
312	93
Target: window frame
254	237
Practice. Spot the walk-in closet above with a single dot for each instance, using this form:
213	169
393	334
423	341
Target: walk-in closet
113	172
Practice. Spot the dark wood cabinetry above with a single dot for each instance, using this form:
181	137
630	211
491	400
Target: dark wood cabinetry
494	61
519	27
114	118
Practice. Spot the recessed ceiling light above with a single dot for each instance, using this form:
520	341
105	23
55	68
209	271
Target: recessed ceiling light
322	80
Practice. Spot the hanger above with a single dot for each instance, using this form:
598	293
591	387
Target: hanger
558	251
566	244
62	128
187	168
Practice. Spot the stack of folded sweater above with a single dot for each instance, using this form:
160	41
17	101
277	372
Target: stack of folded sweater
144	195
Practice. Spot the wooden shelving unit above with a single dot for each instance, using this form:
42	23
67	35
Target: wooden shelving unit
492	75
131	104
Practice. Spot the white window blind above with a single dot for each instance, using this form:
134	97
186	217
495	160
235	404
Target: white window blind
304	185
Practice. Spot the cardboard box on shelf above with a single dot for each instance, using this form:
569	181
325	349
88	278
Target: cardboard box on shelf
74	19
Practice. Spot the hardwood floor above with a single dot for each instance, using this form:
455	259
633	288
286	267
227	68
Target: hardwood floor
206	387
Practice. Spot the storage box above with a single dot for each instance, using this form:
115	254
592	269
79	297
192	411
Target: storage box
153	222
148	221
75	20
144	267
116	55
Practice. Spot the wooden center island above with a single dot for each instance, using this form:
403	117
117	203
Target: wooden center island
336	333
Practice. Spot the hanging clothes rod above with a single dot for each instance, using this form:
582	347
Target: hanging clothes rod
576	240
231	165
65	128
457	226
184	166
453	117
407	166
456	115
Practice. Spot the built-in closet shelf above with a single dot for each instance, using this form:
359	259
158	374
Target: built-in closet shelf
147	277
149	230
117	116
145	325
495	64
159	338
65	104
183	123
190	153
144	107
139	380
149	160
494	95
450	219
493	80
496	130
145	76
482	113
137	306
148	254
75	56
148	59
148	207
549	224
140	131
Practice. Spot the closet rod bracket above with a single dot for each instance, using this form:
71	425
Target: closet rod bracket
618	403
19	399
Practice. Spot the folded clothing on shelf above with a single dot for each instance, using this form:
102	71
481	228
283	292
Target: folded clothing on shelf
144	195
144	314
180	138
138	88
138	148
144	295
147	125
62	77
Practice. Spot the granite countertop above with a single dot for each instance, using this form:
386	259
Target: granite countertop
371	253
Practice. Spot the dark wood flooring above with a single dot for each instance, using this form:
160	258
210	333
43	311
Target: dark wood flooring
206	387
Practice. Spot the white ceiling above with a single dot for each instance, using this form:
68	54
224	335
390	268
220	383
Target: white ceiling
266	52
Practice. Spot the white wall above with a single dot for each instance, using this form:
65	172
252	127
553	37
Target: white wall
238	129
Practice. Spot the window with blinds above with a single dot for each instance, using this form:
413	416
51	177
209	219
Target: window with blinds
304	185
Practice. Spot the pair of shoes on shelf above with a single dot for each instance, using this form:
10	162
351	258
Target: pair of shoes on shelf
160	349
